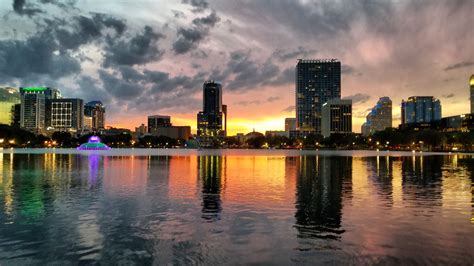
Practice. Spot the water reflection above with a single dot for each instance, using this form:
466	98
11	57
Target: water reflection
62	209
211	173
319	192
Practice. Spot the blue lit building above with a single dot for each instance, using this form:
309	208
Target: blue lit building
421	109
379	117
317	81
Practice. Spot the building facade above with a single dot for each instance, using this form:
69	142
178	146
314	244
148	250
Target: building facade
471	86
317	81
65	114
210	119
156	121
379	117
9	97
95	111
421	109
33	107
336	117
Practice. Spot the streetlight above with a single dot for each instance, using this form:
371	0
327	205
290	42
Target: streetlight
12	141
1	141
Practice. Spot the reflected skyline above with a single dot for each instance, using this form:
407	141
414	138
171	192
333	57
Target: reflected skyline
167	209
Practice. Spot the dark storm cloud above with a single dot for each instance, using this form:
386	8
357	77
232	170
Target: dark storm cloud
347	70
286	77
189	38
37	55
119	88
358	98
20	7
198	5
140	49
459	65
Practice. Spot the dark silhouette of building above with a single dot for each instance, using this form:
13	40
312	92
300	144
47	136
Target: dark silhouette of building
210	173
317	81
319	190
210	119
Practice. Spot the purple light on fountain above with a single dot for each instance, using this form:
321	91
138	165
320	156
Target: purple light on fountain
93	144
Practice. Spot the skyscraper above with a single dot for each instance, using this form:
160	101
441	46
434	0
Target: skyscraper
33	107
95	111
421	109
471	85
317	81
379	118
336	117
209	121
65	114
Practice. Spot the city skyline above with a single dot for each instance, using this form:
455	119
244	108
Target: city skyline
178	45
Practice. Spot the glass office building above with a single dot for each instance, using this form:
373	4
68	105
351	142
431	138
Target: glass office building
421	109
317	81
33	107
471	86
336	117
379	118
94	113
210	120
9	97
65	115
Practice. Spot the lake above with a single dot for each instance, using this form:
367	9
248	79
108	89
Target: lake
148	206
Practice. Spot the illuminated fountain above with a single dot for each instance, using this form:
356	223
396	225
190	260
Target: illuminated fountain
93	144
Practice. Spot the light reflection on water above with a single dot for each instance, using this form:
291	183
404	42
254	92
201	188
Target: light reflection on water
236	209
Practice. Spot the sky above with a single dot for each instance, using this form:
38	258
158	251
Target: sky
148	57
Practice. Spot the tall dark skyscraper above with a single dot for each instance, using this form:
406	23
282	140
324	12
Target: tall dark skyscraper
209	121
317	81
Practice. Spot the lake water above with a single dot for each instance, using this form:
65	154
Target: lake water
235	207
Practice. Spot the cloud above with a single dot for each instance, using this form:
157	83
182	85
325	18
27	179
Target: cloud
289	109
141	49
299	53
20	7
198	5
459	65
447	96
358	98
37	55
258	102
189	38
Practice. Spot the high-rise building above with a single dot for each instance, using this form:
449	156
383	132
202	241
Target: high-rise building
209	121
156	121
336	117
95	111
65	114
471	85
421	109
317	81
379	118
9	97
33	107
290	124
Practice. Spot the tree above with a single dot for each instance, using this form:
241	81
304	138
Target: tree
256	142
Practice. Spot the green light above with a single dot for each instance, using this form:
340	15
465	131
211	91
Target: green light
35	89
